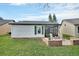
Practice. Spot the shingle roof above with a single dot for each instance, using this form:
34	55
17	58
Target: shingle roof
73	21
5	21
31	23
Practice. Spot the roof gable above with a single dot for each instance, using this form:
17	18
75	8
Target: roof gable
2	22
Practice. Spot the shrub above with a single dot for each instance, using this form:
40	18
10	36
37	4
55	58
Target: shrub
66	36
9	33
47	35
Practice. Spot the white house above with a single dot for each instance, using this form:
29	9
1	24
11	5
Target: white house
28	29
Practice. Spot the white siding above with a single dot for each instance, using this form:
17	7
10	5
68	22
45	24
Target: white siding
24	31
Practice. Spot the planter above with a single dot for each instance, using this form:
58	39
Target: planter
67	42
59	42
75	42
45	40
55	43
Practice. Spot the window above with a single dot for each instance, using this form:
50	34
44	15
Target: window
78	29
42	29
39	30
35	30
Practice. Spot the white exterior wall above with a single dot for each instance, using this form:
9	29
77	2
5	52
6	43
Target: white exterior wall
25	31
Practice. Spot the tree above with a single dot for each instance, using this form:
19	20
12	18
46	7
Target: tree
54	18
48	6
50	18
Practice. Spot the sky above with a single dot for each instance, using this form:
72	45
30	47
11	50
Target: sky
37	12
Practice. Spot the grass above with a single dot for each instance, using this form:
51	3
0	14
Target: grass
33	47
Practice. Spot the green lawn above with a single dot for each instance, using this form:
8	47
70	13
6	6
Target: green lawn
30	47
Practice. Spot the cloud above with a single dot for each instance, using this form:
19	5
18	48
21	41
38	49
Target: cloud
31	17
72	6
63	6
67	15
62	11
67	11
17	4
41	1
44	17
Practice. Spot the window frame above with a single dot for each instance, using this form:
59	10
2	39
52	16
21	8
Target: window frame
35	29
78	29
